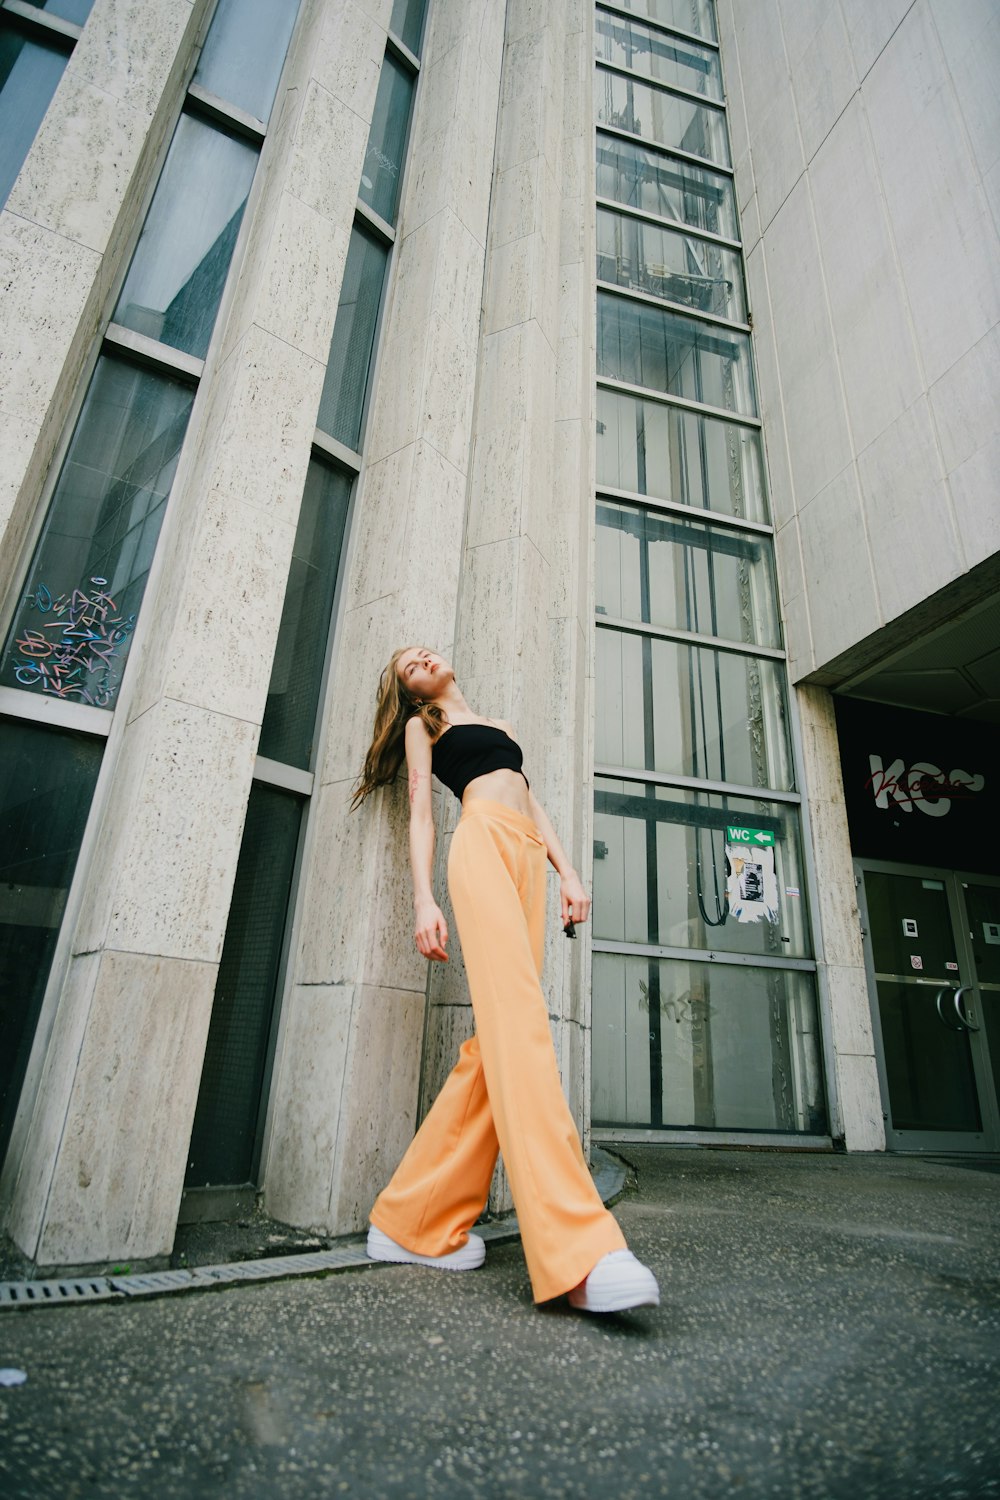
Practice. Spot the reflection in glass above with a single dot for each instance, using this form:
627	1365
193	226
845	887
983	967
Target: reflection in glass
76	11
670	352
685	1044
668	453
660	870
691	711
667	119
641	177
29	73
664	570
342	404
293	692
928	1067
244	52
670	264
696	16
175	282
72	632
383	167
407	22
45	792
234	1074
664	59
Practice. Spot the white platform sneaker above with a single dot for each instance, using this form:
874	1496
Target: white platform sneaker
466	1258
617	1282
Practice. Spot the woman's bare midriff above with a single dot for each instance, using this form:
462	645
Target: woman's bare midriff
508	787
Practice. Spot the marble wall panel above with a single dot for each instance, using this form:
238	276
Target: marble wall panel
871	24
840	586
448	1026
383	529
963	404
117	1180
823	77
169	837
302	1135
340	876
379	1109
860	1103
969	36
914	546
346	55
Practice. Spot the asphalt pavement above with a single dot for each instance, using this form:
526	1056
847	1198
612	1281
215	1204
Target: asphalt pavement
829	1327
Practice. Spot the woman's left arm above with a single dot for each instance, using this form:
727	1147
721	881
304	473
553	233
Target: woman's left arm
575	901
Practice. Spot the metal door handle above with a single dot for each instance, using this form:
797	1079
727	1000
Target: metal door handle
947	990
960	1008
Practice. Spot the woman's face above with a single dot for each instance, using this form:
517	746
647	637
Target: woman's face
424	673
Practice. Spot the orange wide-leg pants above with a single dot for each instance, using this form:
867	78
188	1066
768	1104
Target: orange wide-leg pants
504	1092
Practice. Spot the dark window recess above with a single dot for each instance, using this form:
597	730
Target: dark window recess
45	796
225	1138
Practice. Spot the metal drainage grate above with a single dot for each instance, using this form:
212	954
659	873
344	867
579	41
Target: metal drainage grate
609	1178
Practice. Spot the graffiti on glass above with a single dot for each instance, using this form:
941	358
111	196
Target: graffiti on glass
78	653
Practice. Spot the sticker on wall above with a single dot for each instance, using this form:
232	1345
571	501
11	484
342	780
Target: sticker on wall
951	967
910	927
991	932
916	962
751	884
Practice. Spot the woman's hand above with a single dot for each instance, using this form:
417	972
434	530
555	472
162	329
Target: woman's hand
575	901
431	931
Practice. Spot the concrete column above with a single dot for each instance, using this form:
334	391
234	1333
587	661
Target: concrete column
101	1155
344	1095
69	217
855	1094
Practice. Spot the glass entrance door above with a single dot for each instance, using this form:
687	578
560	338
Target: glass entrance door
932	951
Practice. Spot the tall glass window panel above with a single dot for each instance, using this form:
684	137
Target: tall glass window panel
664	570
670	264
661	875
407	22
71	635
670	352
684	1044
76	11
667	119
342	405
664	59
640	177
45	793
233	1079
29	73
383	167
668	453
244	52
691	711
175	282
696	16
296	675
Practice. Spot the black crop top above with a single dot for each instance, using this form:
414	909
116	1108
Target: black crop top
466	751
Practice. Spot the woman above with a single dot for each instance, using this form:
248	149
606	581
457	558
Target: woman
504	1092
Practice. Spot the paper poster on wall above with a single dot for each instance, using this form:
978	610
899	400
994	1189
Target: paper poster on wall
751	883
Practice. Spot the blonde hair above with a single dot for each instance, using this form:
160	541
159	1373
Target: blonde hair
394	705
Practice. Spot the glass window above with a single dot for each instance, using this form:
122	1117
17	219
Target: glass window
233	1079
175	282
664	570
76	11
29	73
668	453
407	22
641	177
45	793
293	693
669	352
668	119
244	52
661	874
342	405
691	711
387	140
682	1044
72	631
665	59
696	16
670	264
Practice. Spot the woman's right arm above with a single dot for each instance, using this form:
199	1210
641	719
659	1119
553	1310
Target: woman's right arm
431	930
